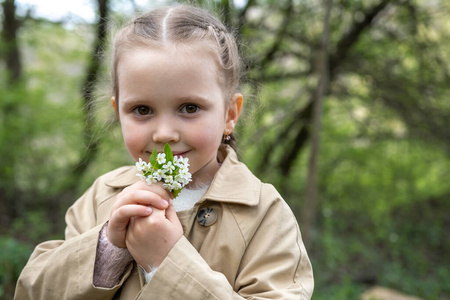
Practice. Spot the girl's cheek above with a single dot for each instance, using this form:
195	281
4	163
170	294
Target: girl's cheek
133	137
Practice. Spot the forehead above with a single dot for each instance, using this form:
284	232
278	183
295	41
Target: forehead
199	55
174	69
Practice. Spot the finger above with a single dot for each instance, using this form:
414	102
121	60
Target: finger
157	188
121	217
158	213
143	197
171	215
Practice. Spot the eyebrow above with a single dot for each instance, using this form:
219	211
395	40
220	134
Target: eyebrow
193	98
132	102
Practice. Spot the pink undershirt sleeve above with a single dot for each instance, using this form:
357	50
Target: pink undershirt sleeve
110	262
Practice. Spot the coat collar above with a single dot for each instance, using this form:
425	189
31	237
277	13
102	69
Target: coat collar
233	182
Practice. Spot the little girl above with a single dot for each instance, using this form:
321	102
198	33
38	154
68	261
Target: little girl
175	73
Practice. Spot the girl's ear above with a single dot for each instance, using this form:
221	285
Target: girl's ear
234	110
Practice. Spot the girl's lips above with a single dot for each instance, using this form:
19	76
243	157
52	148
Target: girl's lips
175	153
180	153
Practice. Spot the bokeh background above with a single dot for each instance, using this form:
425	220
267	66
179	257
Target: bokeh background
347	112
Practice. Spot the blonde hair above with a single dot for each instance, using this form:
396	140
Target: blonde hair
181	24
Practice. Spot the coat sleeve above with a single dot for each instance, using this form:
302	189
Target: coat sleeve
63	269
184	274
274	266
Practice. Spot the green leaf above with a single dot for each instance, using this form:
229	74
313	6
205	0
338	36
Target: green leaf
168	152
175	193
152	160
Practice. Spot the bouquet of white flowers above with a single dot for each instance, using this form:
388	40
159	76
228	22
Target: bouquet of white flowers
173	171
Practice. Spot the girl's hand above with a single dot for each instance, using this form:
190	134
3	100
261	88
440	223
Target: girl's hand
137	200
149	239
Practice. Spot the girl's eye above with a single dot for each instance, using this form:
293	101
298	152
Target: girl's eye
190	108
143	110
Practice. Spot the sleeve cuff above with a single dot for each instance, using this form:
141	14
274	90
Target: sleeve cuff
184	274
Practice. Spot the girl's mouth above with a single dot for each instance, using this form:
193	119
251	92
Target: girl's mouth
180	153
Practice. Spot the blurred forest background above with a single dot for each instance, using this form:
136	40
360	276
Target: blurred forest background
347	112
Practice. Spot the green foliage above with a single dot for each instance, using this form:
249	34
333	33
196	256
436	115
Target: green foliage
343	291
13	258
31	226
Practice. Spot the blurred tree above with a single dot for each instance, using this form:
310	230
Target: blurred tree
309	207
92	76
295	131
10	54
10	46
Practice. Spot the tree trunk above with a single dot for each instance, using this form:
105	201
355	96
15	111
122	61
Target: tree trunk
88	92
10	47
11	55
309	208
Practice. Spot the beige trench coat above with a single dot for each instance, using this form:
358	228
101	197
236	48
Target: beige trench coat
253	251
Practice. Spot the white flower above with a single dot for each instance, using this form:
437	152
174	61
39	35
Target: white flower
176	186
180	161
187	180
141	165
183	179
169	167
178	177
159	174
150	180
184	161
169	179
161	158
184	171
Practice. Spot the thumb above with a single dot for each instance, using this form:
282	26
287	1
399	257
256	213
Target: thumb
171	215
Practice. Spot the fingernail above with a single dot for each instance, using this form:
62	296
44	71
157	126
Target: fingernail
170	201
148	210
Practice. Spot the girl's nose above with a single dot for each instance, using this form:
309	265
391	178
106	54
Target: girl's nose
165	132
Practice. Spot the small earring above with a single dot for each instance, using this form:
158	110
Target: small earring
226	136
113	102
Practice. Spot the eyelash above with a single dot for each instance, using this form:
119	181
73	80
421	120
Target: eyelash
183	109
136	110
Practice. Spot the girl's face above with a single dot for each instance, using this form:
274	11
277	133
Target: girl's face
174	96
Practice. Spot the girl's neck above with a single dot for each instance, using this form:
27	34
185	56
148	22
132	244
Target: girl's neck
198	182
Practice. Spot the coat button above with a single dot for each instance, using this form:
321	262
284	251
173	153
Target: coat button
206	216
